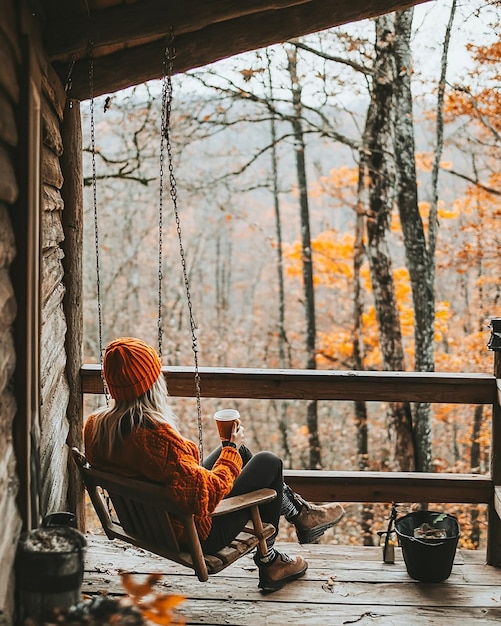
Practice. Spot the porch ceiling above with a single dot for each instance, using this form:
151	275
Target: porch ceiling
128	36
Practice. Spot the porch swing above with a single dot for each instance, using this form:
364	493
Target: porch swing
137	511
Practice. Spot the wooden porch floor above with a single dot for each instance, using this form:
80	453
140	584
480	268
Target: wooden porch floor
343	585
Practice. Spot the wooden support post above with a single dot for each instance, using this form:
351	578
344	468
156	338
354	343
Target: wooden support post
258	529
494	530
72	193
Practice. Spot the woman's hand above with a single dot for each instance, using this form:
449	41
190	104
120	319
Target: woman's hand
237	434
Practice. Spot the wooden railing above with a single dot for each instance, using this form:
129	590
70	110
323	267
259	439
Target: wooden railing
356	486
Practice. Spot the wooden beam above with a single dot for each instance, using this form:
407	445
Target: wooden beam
434	387
72	194
403	487
139	64
494	517
497	501
142	20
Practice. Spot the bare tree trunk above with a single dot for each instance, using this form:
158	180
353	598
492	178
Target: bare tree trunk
418	259
378	167
283	345
360	407
309	300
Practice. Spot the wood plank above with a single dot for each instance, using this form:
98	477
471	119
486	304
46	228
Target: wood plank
244	501
51	169
280	613
336	486
343	562
8	75
434	387
7	255
8	127
65	36
51	135
8	184
8	26
135	65
312	590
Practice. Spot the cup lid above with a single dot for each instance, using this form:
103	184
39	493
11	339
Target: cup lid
226	415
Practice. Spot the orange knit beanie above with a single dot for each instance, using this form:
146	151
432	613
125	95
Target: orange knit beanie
130	368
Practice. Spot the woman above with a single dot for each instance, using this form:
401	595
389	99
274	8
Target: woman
138	436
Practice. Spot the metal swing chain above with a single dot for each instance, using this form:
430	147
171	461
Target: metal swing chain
169	57
94	202
107	498
160	222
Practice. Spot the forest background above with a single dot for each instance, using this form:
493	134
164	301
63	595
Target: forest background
338	201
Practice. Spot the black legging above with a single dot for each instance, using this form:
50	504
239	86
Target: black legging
264	469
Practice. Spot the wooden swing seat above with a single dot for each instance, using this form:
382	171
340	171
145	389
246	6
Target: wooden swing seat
143	518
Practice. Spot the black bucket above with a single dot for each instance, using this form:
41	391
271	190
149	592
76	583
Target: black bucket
61	518
428	559
49	570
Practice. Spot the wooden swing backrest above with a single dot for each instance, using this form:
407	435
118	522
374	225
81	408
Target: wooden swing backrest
141	514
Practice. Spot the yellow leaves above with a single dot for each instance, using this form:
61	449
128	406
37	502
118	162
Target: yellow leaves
155	607
424	161
343	177
340	183
446	212
335	347
331	256
442	316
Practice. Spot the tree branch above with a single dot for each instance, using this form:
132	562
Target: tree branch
473	181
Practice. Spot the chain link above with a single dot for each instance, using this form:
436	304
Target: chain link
94	203
161	206
169	57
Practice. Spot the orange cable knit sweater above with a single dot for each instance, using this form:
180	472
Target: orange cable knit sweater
164	456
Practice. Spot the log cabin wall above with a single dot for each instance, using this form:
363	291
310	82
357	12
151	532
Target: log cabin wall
34	392
54	390
10	57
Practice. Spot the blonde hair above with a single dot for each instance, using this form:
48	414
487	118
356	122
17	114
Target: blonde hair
125	416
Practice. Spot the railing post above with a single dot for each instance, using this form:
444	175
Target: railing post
494	529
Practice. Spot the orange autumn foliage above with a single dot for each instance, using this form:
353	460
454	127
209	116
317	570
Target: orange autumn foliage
156	607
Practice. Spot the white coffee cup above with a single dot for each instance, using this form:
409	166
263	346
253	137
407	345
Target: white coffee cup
225	418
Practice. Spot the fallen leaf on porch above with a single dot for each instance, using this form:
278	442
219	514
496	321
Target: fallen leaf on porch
155	607
329	585
332	587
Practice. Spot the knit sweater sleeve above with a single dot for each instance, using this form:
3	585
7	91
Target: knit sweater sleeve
173	460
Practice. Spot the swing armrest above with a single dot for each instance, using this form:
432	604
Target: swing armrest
244	501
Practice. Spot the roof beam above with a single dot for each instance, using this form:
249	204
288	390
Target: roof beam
139	64
142	20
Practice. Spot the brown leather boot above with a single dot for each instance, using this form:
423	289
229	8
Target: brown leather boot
284	569
314	520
